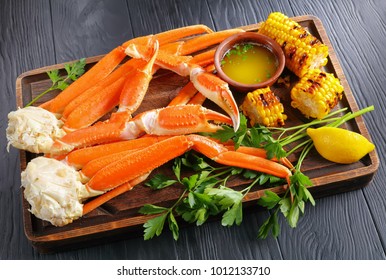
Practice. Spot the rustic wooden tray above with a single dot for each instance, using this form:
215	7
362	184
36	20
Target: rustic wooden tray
119	217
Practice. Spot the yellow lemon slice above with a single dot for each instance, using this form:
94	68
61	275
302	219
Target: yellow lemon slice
340	145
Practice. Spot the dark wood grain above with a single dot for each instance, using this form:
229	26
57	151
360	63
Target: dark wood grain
156	16
88	28
228	14
356	29
26	43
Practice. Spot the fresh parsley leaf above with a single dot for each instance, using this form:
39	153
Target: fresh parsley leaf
203	198
275	226
149	209
224	134
270	200
270	225
201	216
190	182
54	76
225	197
177	168
274	149
250	174
74	71
195	162
191	199
285	206
62	85
301	206
293	215
154	226
160	181
173	226
227	133
233	215
308	196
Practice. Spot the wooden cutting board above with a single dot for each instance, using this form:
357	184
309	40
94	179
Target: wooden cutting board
119	217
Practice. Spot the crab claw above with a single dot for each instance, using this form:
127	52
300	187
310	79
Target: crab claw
172	120
216	90
176	120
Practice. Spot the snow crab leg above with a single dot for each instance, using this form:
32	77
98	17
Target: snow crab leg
143	161
173	120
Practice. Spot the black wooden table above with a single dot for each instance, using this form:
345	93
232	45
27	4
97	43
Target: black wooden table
352	225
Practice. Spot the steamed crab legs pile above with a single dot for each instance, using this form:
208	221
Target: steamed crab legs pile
85	157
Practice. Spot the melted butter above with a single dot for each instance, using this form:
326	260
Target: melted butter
249	63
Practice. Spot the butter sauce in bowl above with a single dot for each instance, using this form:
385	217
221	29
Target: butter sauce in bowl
248	61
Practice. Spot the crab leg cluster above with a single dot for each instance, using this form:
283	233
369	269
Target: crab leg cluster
87	157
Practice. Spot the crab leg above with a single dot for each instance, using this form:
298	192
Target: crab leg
117	153
126	86
198	99
139	163
174	120
93	109
145	160
100	70
101	98
178	33
126	69
136	86
184	95
204	41
80	158
173	35
189	91
221	154
216	90
204	59
92	167
259	152
99	200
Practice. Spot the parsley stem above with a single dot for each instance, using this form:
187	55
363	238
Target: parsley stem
298	147
351	115
289	140
40	95
178	201
220	173
327	118
54	86
304	153
247	189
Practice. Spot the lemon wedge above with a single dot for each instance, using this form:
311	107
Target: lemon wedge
340	145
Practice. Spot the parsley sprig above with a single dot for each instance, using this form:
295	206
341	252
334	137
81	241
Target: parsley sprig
74	71
205	194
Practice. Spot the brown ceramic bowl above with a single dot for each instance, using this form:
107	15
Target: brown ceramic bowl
249	37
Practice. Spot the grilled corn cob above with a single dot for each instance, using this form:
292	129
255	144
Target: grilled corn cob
316	94
262	106
302	50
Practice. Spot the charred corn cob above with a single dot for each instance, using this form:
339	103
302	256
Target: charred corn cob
302	50
316	94
262	106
